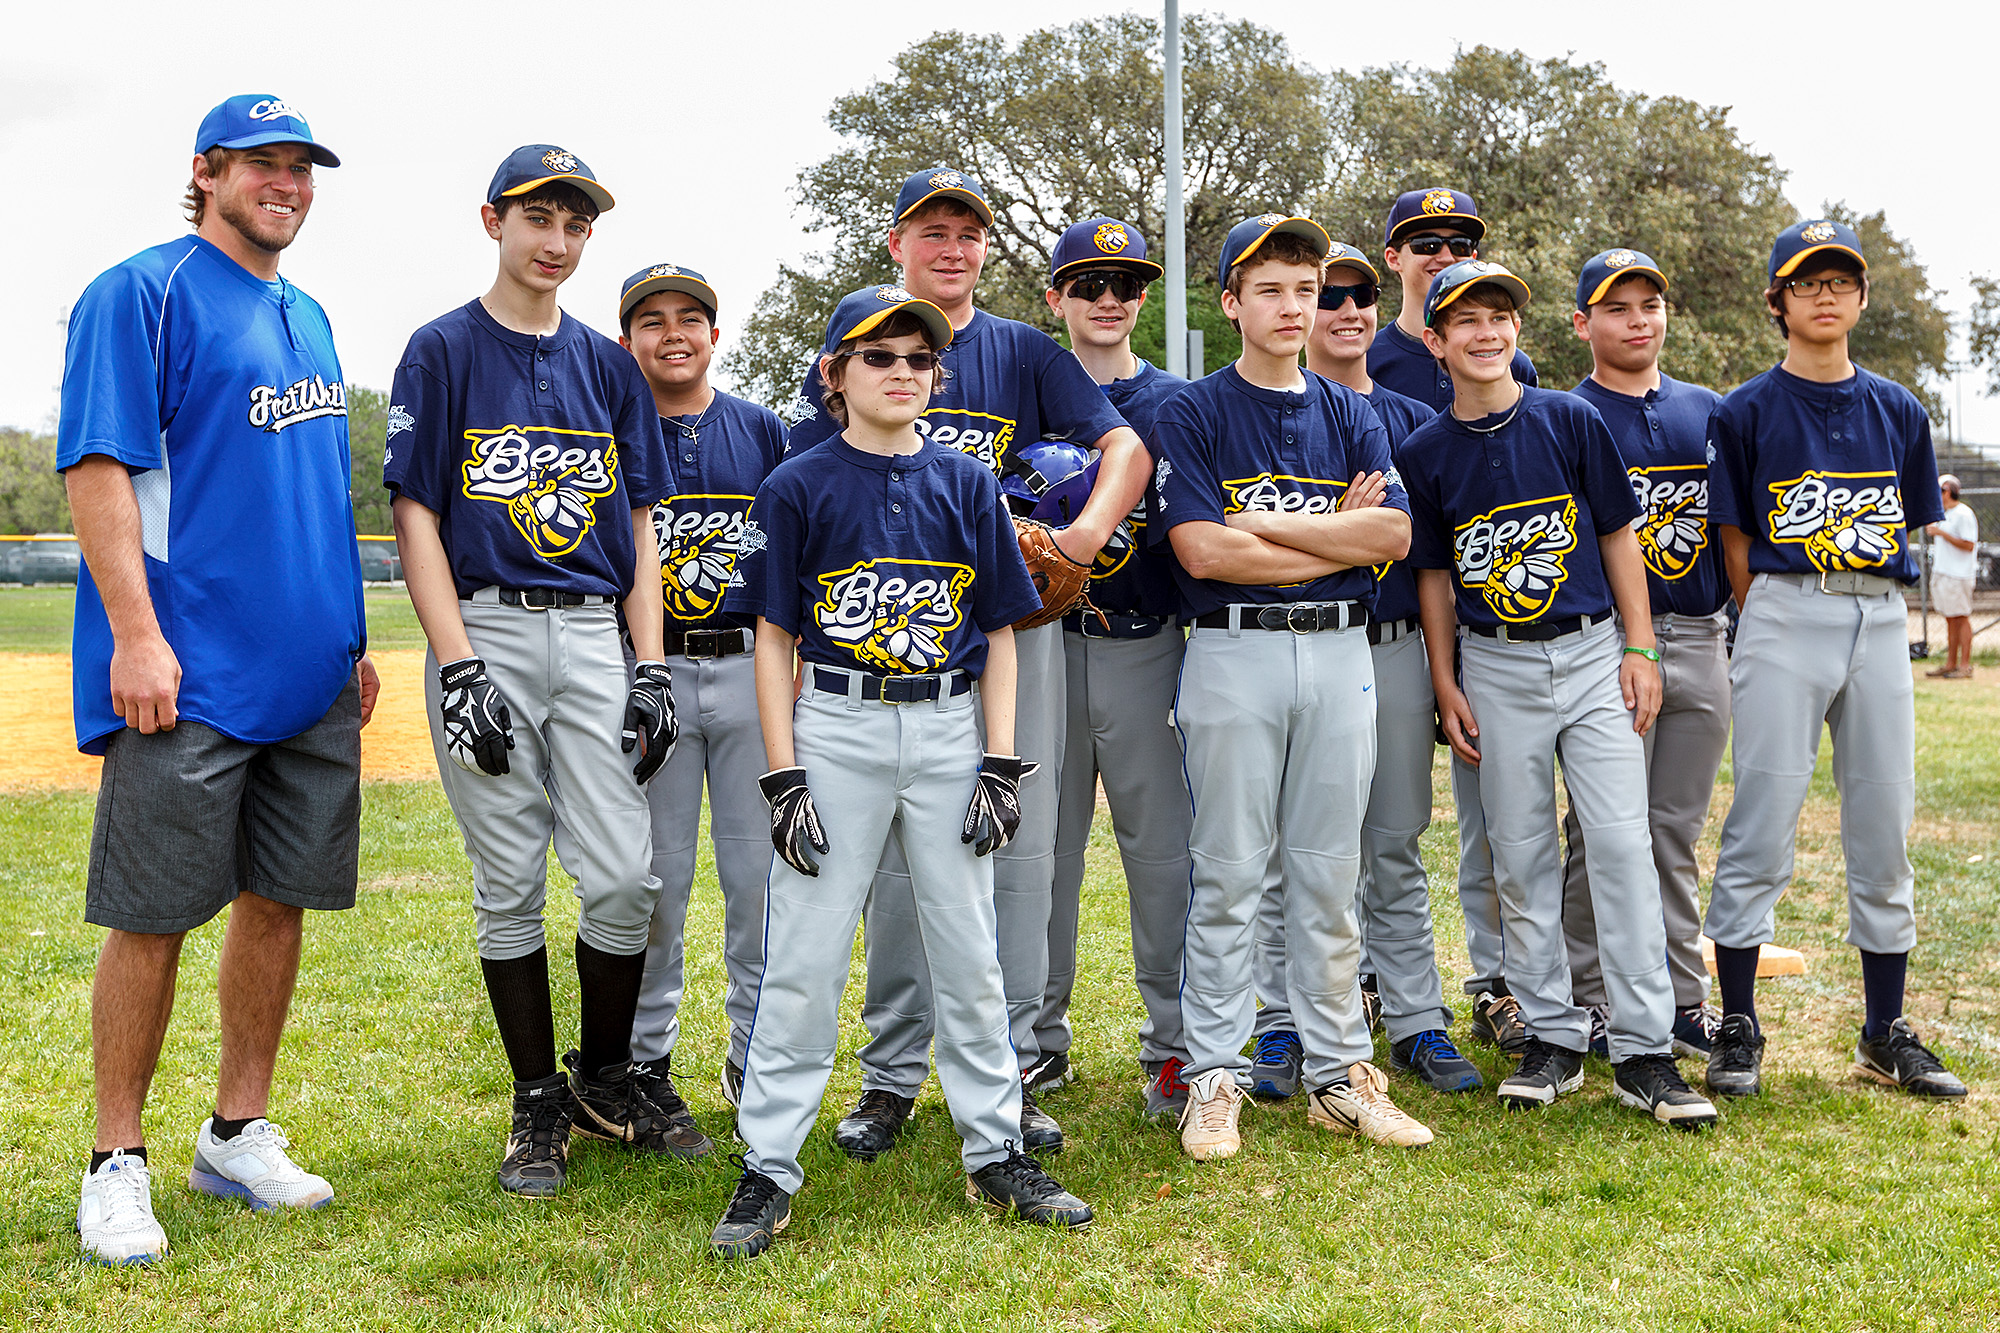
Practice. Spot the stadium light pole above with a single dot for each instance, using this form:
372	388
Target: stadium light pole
1176	239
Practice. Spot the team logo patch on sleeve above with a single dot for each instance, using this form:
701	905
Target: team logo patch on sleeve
1843	520
1513	557
894	615
1673	524
981	434
1161	471
701	538
550	480
399	420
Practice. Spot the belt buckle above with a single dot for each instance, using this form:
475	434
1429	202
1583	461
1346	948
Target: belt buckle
689	640
1292	611
528	601
1843	582
897	689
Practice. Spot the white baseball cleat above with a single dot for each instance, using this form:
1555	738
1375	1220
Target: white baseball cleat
114	1218
255	1168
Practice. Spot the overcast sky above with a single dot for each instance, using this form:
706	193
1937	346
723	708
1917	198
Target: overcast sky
699	116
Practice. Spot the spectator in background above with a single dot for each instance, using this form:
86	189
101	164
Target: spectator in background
1954	566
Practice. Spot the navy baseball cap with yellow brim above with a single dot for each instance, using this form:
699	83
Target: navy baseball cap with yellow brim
1462	277
1343	253
251	120
1605	268
1802	240
1246	236
1101	243
859	313
666	278
1439	206
942	183
534	165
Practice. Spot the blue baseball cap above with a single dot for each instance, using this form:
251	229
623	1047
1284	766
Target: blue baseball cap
665	278
1802	239
1438	206
250	120
536	164
1101	243
858	312
931	182
1607	267
1247	235
1342	253
1462	277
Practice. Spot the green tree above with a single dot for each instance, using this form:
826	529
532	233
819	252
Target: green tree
1983	330
32	496
1904	334
367	425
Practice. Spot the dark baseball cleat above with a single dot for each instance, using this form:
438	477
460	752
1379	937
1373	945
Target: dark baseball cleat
1371	1002
1496	1020
1736	1058
1653	1084
1546	1072
537	1160
1276	1066
1694	1030
1167	1092
732	1083
1015	1184
757	1212
870	1129
1039	1130
634	1104
1432	1058
1600	1029
1048	1073
1901	1061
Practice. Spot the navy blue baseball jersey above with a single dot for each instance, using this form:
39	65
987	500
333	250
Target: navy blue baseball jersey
1663	438
891	565
222	395
1404	364
1823	477
1226	446
1132	574
718	458
533	451
1515	513
1006	384
1396	586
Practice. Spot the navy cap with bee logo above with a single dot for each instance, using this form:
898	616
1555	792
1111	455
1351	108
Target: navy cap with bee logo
1606	267
1247	235
1462	277
1421	210
533	165
946	182
1101	243
666	278
1342	253
863	310
1801	240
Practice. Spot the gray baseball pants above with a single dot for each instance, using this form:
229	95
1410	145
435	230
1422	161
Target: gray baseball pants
1120	693
1278	734
875	771
715	702
562	672
1683	751
1804	659
1478	896
897	1004
1533	701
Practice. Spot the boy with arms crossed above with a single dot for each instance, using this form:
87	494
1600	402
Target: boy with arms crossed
891	568
524	454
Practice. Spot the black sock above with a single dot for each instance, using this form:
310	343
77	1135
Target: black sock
225	1130
609	983
1736	978
1882	977
98	1159
519	989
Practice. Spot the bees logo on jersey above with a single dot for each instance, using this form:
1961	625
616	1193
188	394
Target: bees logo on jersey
894	615
550	480
1513	557
981	434
701	538
1673	523
1272	493
1843	520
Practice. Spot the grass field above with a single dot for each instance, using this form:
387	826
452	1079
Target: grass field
1825	1205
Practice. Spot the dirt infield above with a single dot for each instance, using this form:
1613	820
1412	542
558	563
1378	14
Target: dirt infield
38	737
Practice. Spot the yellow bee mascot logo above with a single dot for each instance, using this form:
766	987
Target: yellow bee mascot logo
1437	202
1842	520
1819	231
701	538
894	615
1513	557
549	480
1112	238
1673	527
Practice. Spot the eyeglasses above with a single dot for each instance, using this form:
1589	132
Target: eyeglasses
1839	286
1333	296
1089	286
1462	247
875	358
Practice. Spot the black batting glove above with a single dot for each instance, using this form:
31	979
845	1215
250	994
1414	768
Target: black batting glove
794	821
478	730
995	813
649	720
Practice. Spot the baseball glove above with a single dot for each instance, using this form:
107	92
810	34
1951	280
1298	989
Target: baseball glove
1062	582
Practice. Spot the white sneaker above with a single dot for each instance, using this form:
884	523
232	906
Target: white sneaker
114	1218
1362	1106
253	1167
1208	1125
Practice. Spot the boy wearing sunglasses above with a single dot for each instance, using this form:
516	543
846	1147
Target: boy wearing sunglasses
1818	471
1005	385
1399	948
1122	671
889	583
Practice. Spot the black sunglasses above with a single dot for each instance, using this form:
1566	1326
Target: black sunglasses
1089	286
1462	247
877	359
1333	296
